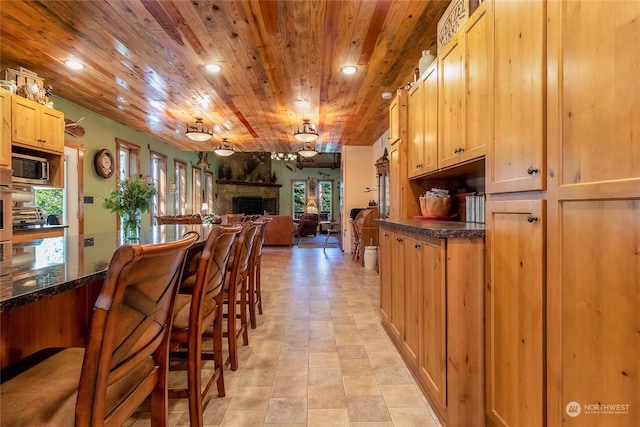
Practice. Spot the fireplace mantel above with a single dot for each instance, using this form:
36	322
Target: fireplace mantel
252	184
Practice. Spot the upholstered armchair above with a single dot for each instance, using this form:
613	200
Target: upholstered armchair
308	225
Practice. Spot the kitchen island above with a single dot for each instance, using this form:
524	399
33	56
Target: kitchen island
48	286
432	308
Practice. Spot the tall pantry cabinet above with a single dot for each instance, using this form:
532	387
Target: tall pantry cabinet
593	157
563	215
515	225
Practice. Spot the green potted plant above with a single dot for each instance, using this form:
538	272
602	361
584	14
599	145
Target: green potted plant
131	198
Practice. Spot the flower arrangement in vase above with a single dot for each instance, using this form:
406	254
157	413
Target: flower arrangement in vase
129	200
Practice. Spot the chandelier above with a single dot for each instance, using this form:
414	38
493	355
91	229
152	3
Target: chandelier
308	132
285	157
307	151
198	132
225	149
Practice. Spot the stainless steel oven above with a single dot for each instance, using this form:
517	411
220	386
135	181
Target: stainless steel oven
6	205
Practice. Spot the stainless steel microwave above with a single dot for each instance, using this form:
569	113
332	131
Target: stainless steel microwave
29	169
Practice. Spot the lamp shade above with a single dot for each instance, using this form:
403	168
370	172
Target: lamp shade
311	208
307	134
224	150
198	132
307	151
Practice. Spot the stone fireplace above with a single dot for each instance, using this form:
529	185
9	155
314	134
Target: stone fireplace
247	197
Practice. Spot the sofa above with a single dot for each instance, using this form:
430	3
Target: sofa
279	230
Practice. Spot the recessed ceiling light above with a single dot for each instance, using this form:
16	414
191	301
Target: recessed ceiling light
213	68
348	69
387	95
74	65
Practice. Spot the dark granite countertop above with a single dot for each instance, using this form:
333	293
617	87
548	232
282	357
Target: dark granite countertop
44	267
437	229
43	227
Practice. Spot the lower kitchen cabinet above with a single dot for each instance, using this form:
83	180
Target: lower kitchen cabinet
515	313
431	298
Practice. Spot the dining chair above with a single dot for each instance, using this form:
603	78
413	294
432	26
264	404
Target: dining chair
235	291
126	358
198	307
254	292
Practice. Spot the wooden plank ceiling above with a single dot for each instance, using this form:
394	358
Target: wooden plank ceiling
280	62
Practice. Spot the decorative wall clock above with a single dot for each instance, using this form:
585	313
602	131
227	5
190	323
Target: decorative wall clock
104	163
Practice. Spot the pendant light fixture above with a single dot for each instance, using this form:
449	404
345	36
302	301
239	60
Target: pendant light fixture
198	132
225	149
308	132
307	151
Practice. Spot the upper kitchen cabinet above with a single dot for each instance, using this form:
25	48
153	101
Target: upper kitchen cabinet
464	118
36	126
423	124
397	117
5	129
594	113
517	45
415	129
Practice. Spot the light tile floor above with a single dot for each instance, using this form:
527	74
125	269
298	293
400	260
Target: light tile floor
318	357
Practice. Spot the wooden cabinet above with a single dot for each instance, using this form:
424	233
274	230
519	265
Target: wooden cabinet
594	212
515	313
517	41
464	124
429	161
432	355
432	308
423	124
385	270
34	125
415	129
397	116
5	129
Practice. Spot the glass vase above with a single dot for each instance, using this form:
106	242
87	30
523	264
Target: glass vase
131	225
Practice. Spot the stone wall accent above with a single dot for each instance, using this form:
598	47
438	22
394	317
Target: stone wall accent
227	190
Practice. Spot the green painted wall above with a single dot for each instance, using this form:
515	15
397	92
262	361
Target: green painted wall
101	132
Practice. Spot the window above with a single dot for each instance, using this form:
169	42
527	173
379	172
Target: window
299	195
325	198
196	192
128	161
180	195
208	191
159	176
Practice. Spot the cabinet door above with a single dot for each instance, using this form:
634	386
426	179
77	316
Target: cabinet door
395	183
412	296
430	143
25	121
432	358
386	241
52	129
397	116
514	313
451	114
397	287
415	130
5	129
516	160
478	115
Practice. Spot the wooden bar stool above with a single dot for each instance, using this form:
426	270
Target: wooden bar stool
255	285
127	350
199	305
235	290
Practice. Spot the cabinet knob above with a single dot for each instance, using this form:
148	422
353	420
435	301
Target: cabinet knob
386	235
532	170
417	246
399	240
532	218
